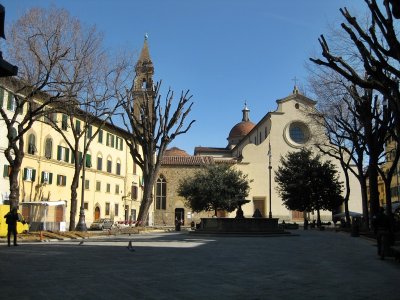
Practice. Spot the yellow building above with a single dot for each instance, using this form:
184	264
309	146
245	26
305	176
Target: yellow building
111	178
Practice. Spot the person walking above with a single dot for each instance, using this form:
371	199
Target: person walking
11	220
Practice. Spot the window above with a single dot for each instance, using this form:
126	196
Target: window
86	205
100	137
29	174
298	132
78	126
134	192
6	171
109	165
62	153
87	184
89	131
161	193
47	177
88	161
64	122
107	209
11	103
110	140
1	97
49	117
48	148
108	188
61	180
118	168
13	133
118	143
116	209
99	163
31	144
117	189
79	157
98	186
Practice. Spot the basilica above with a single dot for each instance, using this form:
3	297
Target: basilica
256	150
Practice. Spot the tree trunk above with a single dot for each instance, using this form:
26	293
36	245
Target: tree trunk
15	164
373	185
147	199
74	199
364	199
318	219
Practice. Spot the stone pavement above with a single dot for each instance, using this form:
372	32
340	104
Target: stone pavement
311	265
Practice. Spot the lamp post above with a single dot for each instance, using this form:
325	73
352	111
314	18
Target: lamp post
81	226
269	171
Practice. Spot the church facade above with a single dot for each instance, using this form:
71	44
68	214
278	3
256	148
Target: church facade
256	150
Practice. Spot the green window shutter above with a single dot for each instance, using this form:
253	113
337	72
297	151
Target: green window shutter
88	160
42	177
72	158
89	132
112	141
80	157
121	145
25	174
64	123
33	175
9	101
21	108
66	154
50	178
6	171
1	97
78	126
100	137
59	150
107	139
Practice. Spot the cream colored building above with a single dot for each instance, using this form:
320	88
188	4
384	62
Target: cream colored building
256	146
112	180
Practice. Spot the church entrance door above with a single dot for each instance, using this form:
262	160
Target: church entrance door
180	215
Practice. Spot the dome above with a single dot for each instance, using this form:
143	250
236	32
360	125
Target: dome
241	129
174	151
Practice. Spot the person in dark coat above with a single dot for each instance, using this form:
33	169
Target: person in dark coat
11	220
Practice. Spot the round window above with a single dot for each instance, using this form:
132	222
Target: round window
297	133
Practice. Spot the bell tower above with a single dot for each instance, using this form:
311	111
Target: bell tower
143	88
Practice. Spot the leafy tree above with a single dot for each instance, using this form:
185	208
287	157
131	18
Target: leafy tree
306	183
217	187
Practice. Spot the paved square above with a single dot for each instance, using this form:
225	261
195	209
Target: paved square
312	265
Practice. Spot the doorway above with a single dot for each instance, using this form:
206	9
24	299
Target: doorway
97	213
180	215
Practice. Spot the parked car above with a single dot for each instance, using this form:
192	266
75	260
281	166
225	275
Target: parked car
101	224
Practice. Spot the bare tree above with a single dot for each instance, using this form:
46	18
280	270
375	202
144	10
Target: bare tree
152	127
94	107
373	68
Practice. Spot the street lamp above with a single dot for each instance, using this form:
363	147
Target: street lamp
81	226
269	169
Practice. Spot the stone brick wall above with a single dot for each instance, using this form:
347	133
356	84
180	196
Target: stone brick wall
173	174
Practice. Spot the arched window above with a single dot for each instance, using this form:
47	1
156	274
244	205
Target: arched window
31	144
48	148
161	193
118	168
109	165
99	162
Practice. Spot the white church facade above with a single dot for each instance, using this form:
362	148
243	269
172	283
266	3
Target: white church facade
256	147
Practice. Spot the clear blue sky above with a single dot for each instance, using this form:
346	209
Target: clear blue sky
223	51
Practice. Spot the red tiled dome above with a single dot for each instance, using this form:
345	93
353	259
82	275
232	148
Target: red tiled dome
241	129
174	151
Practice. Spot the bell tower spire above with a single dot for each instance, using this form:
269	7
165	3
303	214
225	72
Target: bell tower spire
144	69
